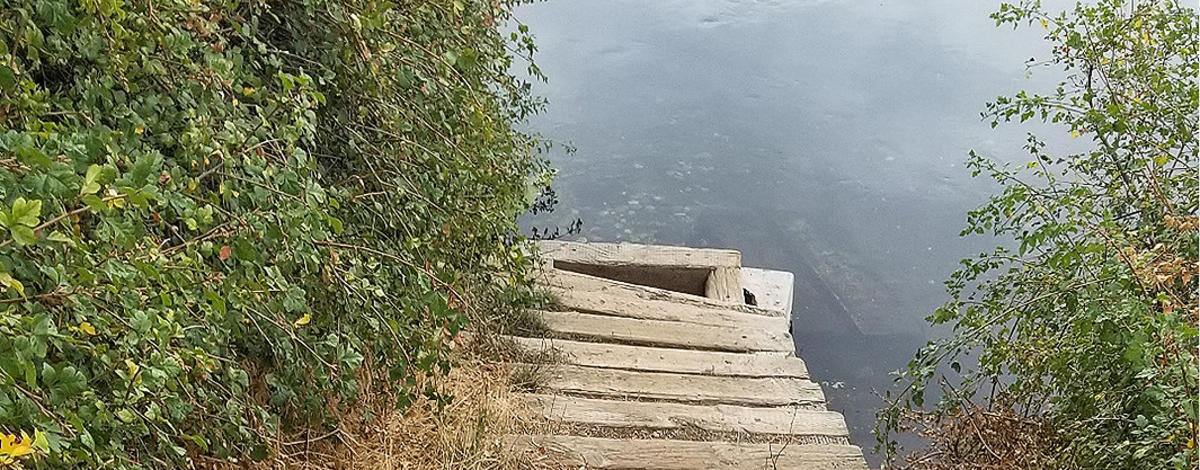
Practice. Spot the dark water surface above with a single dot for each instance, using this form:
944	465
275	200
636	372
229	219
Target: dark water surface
825	138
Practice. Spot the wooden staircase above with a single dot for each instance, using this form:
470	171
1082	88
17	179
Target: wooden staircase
662	365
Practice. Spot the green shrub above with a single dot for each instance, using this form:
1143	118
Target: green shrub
1087	321
216	212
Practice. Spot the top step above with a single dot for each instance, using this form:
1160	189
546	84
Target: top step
633	254
705	272
716	275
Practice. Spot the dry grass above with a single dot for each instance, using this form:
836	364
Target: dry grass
467	433
977	438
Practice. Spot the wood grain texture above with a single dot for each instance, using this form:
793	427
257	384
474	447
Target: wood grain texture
674	416
624	254
661	454
652	359
682	388
655	345
589	293
603	328
725	285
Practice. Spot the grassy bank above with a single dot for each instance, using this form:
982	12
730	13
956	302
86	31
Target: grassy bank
227	224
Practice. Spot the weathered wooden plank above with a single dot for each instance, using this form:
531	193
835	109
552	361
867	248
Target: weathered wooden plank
624	254
680	269
667	333
682	388
725	285
683	361
661	454
771	289
592	294
677	416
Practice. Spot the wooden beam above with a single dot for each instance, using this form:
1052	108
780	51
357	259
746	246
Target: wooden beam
705	272
603	328
682	388
682	361
591	293
660	454
678	416
632	254
725	285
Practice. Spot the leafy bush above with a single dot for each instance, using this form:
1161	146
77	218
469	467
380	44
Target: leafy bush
215	213
1088	323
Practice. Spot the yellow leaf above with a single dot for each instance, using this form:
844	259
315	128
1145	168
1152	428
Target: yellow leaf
1044	25
302	321
133	368
7	280
87	328
1074	134
115	201
12	448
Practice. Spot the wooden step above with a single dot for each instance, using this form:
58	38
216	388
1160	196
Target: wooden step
626	254
677	416
660	454
711	273
682	388
771	289
683	361
603	303
603	328
590	293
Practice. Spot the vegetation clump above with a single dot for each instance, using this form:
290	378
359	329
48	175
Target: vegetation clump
1084	329
216	214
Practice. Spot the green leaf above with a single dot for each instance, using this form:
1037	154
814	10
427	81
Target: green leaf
293	300
23	235
126	416
40	442
7	78
25	212
94	202
141	170
91	183
56	236
63	383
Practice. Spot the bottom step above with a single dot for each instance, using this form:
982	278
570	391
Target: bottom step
624	454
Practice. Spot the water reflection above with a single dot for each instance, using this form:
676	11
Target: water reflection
824	138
